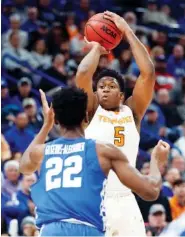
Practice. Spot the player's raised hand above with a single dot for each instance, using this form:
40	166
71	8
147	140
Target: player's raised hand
92	44
118	20
48	112
161	152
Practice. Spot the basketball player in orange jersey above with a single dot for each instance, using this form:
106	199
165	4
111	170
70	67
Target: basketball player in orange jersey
117	121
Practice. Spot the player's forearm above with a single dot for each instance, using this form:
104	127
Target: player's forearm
88	65
155	177
140	54
29	164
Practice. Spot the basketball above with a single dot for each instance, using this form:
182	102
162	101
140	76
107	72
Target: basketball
103	31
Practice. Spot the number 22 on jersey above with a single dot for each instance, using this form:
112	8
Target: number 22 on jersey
119	137
66	170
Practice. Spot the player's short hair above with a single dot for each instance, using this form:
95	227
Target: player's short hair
111	73
70	105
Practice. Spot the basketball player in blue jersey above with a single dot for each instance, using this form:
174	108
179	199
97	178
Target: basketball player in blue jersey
69	195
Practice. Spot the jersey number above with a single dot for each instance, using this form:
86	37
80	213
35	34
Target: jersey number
56	165
119	137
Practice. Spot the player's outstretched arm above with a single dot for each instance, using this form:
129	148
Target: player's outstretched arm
147	187
85	73
33	156
143	91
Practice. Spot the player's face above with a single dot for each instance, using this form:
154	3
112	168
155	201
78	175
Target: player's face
109	94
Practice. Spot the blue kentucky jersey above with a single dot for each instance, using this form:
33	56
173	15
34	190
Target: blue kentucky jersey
71	183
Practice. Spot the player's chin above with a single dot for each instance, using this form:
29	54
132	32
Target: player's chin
105	104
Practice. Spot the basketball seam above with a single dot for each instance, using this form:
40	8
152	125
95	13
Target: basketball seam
99	34
108	25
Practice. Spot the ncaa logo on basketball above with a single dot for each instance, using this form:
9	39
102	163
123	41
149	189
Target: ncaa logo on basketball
108	31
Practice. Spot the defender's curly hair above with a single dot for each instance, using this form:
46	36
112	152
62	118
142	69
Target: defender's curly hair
70	105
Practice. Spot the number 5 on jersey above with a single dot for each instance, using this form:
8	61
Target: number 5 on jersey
119	137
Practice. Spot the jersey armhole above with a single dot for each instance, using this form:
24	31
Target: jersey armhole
94	162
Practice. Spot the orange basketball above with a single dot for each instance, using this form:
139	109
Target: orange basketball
103	31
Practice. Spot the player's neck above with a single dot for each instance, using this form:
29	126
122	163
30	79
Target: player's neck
72	133
114	109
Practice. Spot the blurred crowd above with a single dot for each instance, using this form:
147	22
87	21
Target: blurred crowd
42	46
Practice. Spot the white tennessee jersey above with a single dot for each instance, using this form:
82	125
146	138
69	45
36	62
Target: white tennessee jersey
117	128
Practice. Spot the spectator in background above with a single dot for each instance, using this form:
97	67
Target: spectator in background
21	9
77	43
71	27
181	21
11	183
28	227
5	97
163	78
157	51
131	19
20	204
178	162
7	8
15	22
177	202
65	50
160	38
176	62
81	10
181	41
57	71
151	122
24	91
157	219
26	206
19	136
152	14
167	106
55	37
40	56
17	52
103	63
35	119
46	12
181	141
40	33
130	82
123	63
31	23
166	15
178	94
171	176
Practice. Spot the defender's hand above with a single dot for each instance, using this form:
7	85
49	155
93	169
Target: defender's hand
92	44
161	152
48	112
118	20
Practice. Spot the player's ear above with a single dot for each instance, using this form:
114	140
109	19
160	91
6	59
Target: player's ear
56	121
86	118
122	96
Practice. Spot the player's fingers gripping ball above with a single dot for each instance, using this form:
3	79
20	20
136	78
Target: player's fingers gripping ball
103	31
